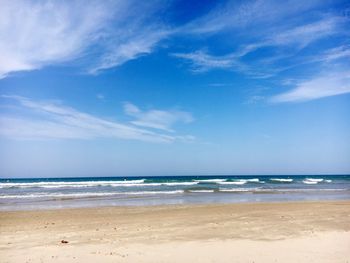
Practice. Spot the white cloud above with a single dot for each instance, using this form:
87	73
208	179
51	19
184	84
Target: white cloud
303	35
139	43
278	29
297	37
318	87
106	34
287	41
201	61
242	15
35	34
52	120
337	53
157	119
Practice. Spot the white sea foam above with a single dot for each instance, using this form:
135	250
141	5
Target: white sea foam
128	183
210	180
312	180
71	184
328	181
201	191
56	195
92	194
235	189
254	180
241	181
155	184
281	180
179	183
234	182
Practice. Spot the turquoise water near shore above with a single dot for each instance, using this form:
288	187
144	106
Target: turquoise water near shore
18	194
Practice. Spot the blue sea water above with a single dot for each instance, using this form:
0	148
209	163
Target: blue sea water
45	193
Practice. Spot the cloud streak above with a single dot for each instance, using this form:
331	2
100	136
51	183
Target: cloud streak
321	86
297	36
233	15
35	34
201	61
286	44
49	120
157	119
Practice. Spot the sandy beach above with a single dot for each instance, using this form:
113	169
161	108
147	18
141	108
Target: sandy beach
256	232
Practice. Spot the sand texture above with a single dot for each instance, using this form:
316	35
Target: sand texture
261	232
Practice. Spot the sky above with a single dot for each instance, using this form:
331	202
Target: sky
148	88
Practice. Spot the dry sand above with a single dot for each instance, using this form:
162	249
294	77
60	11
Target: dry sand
262	232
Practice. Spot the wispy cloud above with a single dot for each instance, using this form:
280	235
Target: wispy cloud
266	37
157	119
201	61
297	36
52	120
243	15
305	34
333	54
137	41
286	43
35	34
324	85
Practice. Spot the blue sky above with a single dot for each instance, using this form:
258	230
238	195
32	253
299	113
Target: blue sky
124	88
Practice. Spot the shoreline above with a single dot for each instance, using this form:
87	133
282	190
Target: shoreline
215	232
64	204
165	206
45	193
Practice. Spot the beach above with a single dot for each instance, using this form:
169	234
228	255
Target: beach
306	231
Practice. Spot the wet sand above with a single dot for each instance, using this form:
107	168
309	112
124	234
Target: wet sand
259	232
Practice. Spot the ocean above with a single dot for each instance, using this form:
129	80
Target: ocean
53	193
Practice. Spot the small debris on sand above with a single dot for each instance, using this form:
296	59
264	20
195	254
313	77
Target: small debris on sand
64	241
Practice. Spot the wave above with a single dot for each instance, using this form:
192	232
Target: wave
210	180
77	195
282	180
201	191
235	183
241	181
179	183
48	195
254	180
236	189
76	184
121	183
43	195
312	180
129	183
